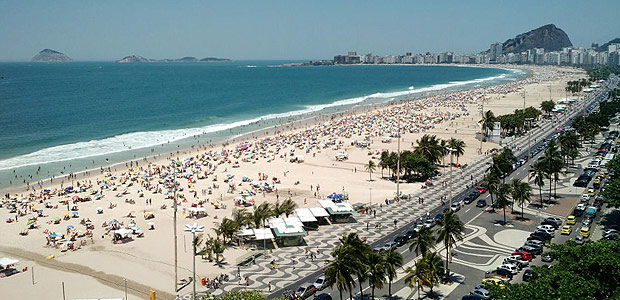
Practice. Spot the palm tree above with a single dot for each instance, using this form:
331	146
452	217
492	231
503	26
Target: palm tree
434	268
376	271
503	198
422	242
492	179
393	260
226	229
417	276
521	193
261	213
488	122
217	247
384	161
242	217
339	271
429	147
287	207
370	167
450	231
554	163
359	251
458	146
537	172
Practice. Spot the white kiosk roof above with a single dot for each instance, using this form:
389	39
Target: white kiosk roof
4	262
305	215
319	212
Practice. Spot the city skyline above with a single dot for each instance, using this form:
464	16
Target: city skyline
282	30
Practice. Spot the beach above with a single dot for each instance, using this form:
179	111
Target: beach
138	194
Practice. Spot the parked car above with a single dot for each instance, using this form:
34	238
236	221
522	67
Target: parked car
579	240
546	258
524	255
566	230
571	220
510	267
323	296
528	275
481	203
534	242
584	232
319	283
481	292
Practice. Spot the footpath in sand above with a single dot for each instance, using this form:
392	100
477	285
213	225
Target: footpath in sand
97	269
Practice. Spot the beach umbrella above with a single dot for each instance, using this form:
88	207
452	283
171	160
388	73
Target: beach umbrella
75	212
47	190
76	198
70	226
53	235
56	218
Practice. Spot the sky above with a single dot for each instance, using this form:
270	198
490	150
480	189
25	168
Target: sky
287	29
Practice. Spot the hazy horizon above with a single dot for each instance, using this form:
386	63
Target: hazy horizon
284	30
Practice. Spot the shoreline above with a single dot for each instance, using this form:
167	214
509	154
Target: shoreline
303	118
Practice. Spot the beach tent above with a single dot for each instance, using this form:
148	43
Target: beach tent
7	262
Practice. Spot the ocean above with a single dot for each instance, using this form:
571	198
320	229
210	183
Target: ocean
60	118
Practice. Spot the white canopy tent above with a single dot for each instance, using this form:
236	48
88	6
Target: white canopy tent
5	262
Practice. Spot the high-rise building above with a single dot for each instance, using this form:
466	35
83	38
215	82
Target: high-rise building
495	52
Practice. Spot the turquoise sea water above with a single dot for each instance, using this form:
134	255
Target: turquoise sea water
53	115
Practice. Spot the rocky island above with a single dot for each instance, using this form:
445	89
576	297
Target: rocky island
49	55
137	58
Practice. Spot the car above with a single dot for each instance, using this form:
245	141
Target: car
494	281
510	267
456	206
524	255
541	236
323	296
555	220
429	222
305	292
517	261
410	234
547	231
481	189
586	222
566	230
471	297
531	249
482	292
503	273
546	258
579	240
528	275
547	227
481	203
319	283
468	199
534	242
571	220
584	232
591	192
400	240
585	198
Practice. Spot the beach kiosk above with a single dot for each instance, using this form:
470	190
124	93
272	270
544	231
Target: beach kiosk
288	231
338	212
306	217
321	215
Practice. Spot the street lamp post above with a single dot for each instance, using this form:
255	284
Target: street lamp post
398	163
174	226
193	229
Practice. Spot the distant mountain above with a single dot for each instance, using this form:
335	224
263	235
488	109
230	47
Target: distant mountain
214	59
549	37
49	55
136	58
133	59
603	47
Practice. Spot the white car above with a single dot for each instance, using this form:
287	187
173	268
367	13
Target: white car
319	284
547	231
510	267
546	227
585	198
456	206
